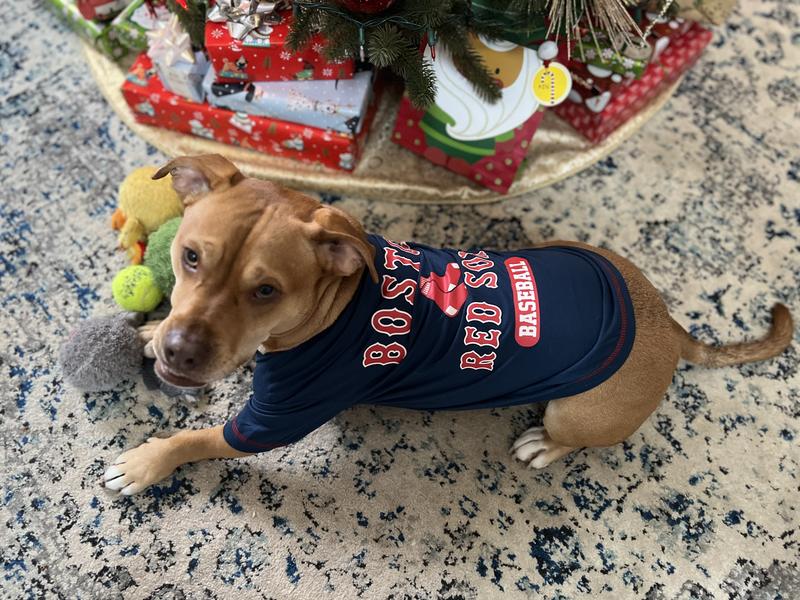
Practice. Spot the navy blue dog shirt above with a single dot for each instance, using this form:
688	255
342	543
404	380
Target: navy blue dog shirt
447	329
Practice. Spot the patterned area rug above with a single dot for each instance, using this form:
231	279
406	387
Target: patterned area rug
380	503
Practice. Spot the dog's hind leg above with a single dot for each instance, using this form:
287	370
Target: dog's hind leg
612	411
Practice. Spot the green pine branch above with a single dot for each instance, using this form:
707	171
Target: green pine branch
192	19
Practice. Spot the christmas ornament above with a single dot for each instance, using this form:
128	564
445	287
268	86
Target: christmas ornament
168	43
552	82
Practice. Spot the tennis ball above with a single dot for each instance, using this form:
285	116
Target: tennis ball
135	289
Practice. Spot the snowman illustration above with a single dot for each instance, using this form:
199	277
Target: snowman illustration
200	130
145	108
242	122
346	160
295	143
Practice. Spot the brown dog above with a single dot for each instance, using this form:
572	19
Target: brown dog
262	267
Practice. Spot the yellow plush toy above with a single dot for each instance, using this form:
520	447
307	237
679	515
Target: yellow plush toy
144	205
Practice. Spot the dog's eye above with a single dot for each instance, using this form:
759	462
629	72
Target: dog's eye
264	291
190	258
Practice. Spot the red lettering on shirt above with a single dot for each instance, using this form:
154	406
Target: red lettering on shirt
466	253
489	338
392	288
473	360
488	280
526	302
483	312
478	264
391	321
403	246
391	259
384	354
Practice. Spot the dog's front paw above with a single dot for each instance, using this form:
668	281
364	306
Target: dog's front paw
141	467
536	448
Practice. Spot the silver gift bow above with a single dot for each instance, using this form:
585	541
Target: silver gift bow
245	17
169	43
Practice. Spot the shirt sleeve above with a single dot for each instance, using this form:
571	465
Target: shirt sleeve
262	426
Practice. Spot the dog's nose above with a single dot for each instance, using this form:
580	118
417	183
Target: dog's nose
184	350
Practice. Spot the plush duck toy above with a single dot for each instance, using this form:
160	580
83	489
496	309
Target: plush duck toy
144	205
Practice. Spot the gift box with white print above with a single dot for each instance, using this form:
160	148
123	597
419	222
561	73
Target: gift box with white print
339	105
180	68
100	10
139	17
630	59
152	104
601	101
241	52
465	134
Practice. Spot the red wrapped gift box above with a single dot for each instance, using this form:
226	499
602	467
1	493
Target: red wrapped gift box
598	111
269	60
152	104
100	10
495	172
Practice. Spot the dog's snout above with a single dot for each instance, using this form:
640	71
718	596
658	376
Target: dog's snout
185	350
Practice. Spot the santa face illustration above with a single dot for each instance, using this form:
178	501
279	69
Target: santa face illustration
472	118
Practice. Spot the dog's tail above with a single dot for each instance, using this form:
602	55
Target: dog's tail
774	343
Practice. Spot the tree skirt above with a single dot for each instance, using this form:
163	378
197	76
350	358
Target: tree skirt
386	171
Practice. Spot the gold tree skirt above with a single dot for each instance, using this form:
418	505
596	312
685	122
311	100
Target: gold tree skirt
386	171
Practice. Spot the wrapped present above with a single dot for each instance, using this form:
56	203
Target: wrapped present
601	101
100	10
139	17
100	34
461	131
152	104
337	105
180	68
631	59
628	62
241	52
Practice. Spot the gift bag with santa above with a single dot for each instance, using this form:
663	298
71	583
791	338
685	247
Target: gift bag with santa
466	134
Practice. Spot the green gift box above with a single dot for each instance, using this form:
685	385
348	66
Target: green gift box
602	54
102	35
139	17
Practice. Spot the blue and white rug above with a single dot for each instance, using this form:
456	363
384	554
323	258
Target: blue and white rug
702	502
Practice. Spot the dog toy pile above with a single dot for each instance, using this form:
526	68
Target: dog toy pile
102	353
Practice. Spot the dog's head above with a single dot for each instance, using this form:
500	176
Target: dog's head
253	263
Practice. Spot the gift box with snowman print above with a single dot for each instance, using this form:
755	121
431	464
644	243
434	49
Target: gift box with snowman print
152	104
336	105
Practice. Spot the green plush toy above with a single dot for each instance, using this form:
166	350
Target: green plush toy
135	289
157	256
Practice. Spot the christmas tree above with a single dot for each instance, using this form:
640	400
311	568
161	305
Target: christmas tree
394	34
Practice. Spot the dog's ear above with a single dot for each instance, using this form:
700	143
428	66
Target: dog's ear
342	246
193	176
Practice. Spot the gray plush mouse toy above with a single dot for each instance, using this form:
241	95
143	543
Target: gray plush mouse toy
103	352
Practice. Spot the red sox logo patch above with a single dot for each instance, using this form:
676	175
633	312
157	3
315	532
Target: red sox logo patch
447	291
